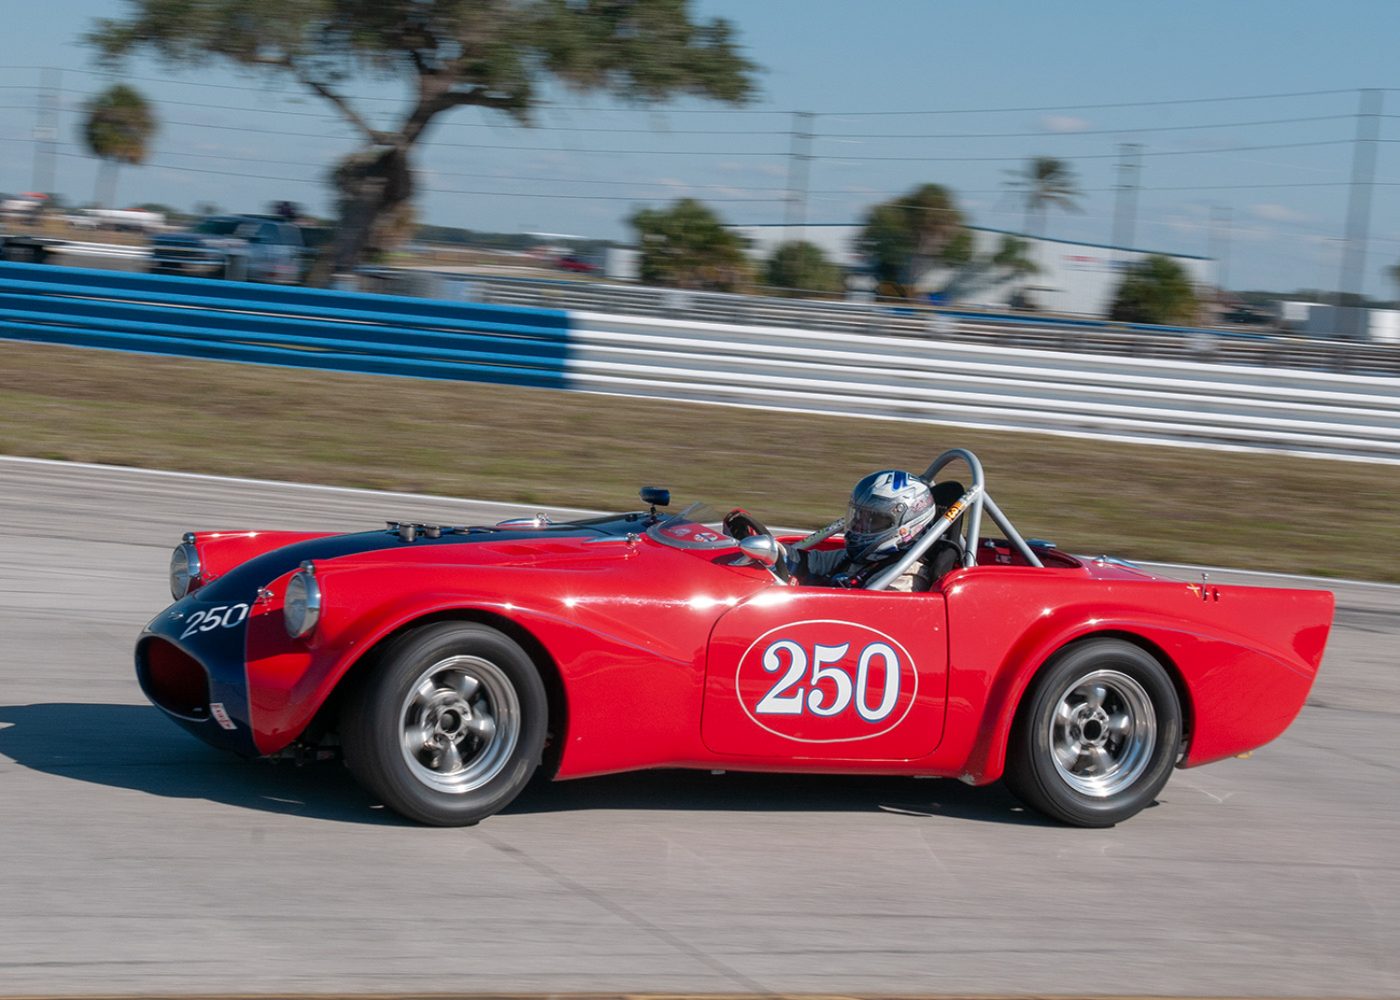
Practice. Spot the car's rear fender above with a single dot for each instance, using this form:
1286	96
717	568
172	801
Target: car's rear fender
1238	691
986	757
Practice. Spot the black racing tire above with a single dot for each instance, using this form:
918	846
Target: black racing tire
413	728
1097	734
235	269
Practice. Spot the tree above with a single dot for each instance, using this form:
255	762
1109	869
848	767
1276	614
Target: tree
1045	182
1013	257
902	238
117	128
686	246
1155	290
799	267
491	54
1393	272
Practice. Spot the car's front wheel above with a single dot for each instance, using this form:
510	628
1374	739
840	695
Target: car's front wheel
1097	734
449	725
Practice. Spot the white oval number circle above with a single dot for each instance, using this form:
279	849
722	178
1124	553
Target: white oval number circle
826	681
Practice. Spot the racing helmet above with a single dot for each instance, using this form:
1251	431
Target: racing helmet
888	511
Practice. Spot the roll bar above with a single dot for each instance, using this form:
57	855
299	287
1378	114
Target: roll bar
972	503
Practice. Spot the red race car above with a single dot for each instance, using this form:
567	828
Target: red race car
448	663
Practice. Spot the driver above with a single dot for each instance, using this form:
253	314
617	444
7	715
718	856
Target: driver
889	510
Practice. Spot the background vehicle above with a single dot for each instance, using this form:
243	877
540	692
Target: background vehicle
121	220
26	249
450	661
237	247
576	265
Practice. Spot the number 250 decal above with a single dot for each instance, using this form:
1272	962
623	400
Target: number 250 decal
823	663
222	616
826	681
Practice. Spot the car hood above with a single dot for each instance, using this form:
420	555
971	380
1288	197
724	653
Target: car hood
519	546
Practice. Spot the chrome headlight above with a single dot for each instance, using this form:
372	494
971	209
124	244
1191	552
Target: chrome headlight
185	567
302	608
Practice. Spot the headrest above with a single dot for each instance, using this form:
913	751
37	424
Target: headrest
947	493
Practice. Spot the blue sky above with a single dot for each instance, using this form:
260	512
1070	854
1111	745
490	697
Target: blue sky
590	164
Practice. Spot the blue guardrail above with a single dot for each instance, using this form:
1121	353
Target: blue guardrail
275	325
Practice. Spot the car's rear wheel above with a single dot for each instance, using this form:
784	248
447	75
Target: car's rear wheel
449	725
1097	734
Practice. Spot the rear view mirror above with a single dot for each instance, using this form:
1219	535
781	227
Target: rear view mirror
762	549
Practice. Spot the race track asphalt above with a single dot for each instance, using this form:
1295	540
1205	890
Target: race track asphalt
135	860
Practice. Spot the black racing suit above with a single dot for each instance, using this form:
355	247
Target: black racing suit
835	568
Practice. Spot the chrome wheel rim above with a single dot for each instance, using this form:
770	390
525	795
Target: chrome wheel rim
1102	733
459	724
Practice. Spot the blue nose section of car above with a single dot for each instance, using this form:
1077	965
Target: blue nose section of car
190	664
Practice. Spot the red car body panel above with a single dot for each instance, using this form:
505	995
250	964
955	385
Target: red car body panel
669	656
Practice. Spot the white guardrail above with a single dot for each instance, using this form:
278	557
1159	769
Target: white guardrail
1316	414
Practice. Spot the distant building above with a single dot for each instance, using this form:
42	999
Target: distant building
1379	326
1073	277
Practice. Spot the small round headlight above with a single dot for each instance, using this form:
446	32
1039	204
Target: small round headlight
185	567
302	607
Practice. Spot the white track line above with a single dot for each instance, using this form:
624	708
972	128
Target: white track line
351	490
1340	581
359	491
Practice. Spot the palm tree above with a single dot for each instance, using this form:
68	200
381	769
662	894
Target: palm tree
1013	256
1045	181
118	129
1393	272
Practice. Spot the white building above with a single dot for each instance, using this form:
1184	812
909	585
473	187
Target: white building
1379	326
1075	278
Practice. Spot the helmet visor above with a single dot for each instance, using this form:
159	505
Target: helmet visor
862	520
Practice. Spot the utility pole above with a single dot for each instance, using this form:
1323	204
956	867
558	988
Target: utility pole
799	154
46	130
1363	172
1129	179
1219	246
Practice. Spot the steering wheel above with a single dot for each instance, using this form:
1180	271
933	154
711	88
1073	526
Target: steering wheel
739	524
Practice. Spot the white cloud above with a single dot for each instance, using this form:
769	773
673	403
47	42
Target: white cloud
1063	123
1272	211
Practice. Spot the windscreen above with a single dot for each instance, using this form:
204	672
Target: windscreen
697	527
218	227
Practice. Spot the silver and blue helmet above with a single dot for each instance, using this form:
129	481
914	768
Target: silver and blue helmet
888	511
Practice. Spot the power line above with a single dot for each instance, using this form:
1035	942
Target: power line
1224	99
1047	133
324	165
225	157
1175	188
468	145
1088	156
1088	107
332	115
435	190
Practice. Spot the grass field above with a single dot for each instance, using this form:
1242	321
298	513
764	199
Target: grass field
543	446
